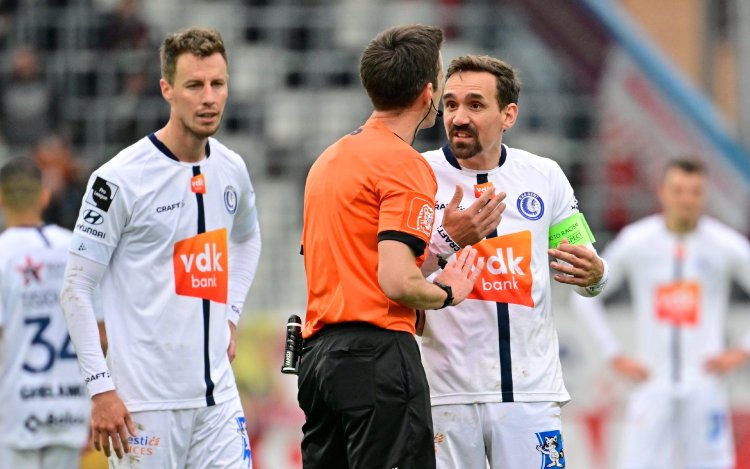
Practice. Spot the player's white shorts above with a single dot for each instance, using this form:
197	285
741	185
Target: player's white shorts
518	435
665	427
50	457
214	437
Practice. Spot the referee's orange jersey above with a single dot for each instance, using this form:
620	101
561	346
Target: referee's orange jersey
368	186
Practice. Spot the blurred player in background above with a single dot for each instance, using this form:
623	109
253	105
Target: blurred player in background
368	210
492	362
44	409
169	228
679	265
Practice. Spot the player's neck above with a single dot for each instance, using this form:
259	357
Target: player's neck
403	122
183	145
681	227
487	160
15	219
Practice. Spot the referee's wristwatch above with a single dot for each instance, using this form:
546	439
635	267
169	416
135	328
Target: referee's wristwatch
447	289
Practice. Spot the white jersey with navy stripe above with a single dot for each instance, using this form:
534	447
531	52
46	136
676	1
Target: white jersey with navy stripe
164	229
500	344
43	400
680	287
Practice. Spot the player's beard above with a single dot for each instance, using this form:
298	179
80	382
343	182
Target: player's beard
464	150
201	132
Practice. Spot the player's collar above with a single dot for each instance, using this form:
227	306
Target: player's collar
451	158
163	148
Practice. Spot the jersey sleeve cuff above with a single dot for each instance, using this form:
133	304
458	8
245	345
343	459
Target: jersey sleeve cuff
416	244
595	289
97	384
442	243
233	314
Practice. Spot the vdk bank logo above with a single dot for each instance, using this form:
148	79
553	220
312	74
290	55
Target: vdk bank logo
506	277
201	267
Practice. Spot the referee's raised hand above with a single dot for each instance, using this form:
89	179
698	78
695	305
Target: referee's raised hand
461	273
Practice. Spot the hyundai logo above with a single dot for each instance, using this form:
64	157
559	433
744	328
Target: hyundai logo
93	217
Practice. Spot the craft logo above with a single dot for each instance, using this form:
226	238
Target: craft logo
506	277
201	267
421	214
102	194
198	184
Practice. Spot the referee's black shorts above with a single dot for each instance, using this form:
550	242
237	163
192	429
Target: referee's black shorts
366	400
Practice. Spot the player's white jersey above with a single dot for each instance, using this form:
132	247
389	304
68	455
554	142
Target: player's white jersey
680	289
164	228
43	399
500	344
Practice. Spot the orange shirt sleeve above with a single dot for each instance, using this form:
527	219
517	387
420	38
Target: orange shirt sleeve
407	198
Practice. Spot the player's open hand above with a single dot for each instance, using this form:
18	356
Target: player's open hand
630	369
110	424
726	361
472	225
461	273
576	264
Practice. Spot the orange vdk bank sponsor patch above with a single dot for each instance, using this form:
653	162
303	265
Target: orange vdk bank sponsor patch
678	303
506	277
198	184
480	189
420	216
201	266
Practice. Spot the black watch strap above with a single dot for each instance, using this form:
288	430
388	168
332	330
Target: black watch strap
447	289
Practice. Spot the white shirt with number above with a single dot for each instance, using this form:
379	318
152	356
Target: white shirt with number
500	344
680	290
43	399
163	228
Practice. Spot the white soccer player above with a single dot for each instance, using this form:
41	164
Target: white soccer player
679	265
169	228
44	409
492	362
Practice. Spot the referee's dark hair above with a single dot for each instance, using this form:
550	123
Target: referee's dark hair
398	63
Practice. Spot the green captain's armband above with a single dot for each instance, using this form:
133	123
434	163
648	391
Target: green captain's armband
574	228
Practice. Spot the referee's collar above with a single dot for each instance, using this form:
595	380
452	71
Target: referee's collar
451	158
163	148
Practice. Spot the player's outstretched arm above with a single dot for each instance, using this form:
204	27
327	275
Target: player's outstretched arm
402	281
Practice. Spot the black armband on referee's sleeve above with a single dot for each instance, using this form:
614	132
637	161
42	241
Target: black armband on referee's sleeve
417	245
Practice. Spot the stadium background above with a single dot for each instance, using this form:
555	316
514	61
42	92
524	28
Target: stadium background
611	89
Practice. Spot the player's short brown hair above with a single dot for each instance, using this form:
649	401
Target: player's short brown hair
201	42
20	183
506	77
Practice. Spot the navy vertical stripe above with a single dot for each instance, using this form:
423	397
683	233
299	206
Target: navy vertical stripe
40	230
679	261
503	331
206	305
